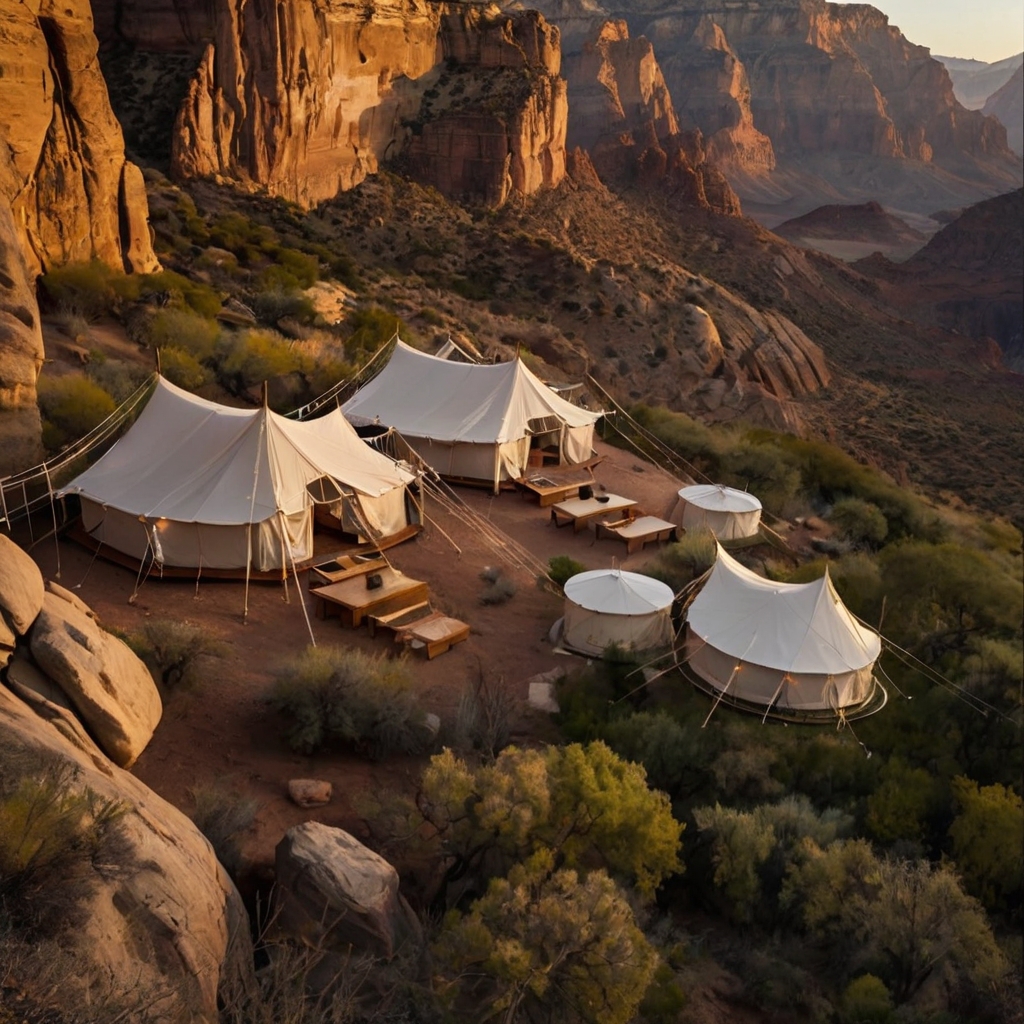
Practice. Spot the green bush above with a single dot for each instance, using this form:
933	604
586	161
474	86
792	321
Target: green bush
89	289
182	368
182	329
499	589
673	755
73	406
336	697
371	327
182	291
54	835
173	649
253	356
684	561
859	521
562	568
223	817
273	305
866	1000
117	378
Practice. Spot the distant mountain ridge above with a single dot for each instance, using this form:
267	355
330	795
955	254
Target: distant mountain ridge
974	81
1007	103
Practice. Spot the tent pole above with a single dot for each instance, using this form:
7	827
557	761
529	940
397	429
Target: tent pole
718	699
775	697
302	600
284	559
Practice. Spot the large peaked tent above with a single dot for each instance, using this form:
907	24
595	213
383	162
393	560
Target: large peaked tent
783	646
197	484
469	421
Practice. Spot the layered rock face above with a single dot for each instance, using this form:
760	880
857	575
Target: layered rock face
1007	104
623	115
76	197
829	77
712	93
495	120
304	100
307	102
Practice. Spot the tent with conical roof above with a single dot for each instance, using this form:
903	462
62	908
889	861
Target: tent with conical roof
729	514
787	646
197	484
469	421
609	606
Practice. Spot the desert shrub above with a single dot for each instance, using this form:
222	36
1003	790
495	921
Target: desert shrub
173	649
273	305
117	378
86	288
223	817
684	561
72	406
371	327
483	718
859	521
335	697
72	321
56	839
673	755
253	356
866	1000
684	435
763	470
562	568
499	587
179	290
182	329
180	367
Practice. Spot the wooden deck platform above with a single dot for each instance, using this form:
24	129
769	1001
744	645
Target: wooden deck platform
353	601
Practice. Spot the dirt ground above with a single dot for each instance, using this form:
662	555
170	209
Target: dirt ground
222	731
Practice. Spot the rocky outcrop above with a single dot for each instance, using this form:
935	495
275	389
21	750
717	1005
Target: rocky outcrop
712	92
1007	104
867	222
334	894
163	928
305	100
623	115
75	196
495	121
21	587
110	688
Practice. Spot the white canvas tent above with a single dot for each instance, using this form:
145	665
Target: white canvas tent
472	422
788	646
201	485
607	606
729	514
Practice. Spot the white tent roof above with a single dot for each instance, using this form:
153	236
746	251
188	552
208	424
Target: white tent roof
424	396
614	592
719	498
792	627
192	460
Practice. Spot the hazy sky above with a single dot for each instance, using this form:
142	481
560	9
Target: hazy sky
987	30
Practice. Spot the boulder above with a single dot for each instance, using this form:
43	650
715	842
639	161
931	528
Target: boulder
110	688
72	599
310	792
21	587
24	677
165	927
335	894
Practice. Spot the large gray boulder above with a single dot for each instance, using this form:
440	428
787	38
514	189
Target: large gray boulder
21	587
335	894
164	927
110	688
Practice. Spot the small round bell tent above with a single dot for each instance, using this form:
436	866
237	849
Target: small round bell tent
609	606
729	514
790	649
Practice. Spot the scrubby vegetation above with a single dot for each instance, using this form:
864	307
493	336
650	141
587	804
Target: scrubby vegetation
335	697
174	650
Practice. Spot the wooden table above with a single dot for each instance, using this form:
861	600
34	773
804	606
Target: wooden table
638	532
353	601
580	511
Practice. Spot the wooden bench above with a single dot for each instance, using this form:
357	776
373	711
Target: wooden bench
353	601
434	634
638	531
397	619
